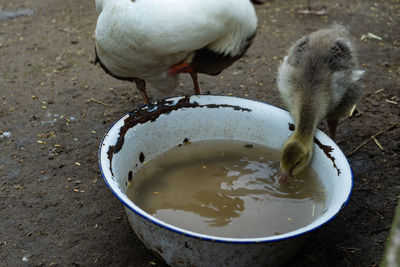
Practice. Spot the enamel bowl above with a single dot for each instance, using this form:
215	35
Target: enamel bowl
147	132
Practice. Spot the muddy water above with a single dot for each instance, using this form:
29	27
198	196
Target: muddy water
226	189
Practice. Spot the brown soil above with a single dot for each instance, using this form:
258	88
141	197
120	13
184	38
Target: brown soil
54	206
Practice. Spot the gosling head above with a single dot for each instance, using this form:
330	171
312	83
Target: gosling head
295	157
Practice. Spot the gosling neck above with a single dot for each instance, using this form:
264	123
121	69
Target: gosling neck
306	125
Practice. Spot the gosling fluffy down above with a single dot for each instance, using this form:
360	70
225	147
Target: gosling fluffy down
318	79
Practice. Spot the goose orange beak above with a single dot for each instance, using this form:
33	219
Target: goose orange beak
180	68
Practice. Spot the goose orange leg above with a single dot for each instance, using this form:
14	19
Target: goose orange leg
186	68
141	86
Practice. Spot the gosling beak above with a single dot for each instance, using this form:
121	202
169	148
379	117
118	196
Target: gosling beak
180	68
284	176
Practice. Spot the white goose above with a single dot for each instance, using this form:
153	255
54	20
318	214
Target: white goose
154	41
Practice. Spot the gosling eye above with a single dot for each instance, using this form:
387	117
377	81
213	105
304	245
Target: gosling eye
298	162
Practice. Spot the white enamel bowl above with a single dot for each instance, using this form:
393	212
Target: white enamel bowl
147	132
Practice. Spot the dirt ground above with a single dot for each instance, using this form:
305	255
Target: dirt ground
55	106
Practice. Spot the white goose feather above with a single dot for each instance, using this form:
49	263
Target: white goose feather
144	38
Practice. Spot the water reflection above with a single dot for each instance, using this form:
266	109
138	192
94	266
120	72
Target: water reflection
218	192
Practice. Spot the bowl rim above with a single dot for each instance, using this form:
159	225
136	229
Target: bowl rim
230	240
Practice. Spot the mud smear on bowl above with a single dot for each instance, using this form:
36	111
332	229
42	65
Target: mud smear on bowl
154	110
151	112
226	189
327	149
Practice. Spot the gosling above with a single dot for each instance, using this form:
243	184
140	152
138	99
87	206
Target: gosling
319	78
